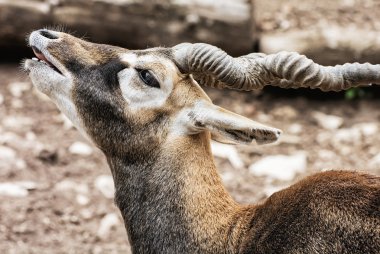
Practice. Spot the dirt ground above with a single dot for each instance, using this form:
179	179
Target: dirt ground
63	209
287	15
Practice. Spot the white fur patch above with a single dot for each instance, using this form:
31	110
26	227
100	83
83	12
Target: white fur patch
48	81
137	94
129	58
67	107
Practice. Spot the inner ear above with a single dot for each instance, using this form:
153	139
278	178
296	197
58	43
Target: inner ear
255	132
228	127
261	136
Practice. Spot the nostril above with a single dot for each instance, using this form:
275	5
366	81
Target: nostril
48	35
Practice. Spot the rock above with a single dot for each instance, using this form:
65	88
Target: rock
9	138
355	134
347	136
17	122
228	152
324	138
7	154
30	136
295	128
23	228
13	190
82	199
28	143
367	129
69	185
326	155
108	222
17	103
86	213
374	163
227	176
285	112
18	88
9	160
80	148
328	160
270	189
20	164
280	167
104	183
328	122
263	118
289	139
28	185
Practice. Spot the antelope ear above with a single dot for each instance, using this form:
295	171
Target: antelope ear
228	127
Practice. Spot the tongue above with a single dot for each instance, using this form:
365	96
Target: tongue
39	54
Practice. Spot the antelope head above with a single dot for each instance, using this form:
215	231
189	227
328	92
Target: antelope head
126	101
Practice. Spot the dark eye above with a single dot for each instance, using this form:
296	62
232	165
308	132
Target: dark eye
148	78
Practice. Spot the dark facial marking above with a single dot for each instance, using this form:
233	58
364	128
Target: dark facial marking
110	70
101	106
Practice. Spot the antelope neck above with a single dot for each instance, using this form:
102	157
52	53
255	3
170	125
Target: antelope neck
174	201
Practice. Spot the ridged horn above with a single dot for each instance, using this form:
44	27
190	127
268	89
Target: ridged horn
212	66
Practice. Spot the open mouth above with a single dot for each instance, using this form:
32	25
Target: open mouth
42	58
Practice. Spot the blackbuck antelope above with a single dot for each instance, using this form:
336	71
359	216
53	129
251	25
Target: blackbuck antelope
146	111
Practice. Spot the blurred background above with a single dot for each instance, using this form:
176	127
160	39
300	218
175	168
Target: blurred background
56	192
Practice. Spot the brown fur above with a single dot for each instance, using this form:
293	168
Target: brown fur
168	189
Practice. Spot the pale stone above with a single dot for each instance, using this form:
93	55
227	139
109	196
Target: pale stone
104	183
269	190
347	135
108	222
13	190
7	154
355	134
18	88
295	128
263	118
285	112
280	167
17	104
227	176
289	139
324	137
228	152
367	129
28	185
326	155
17	122
82	199
375	162
20	164
9	137
30	136
86	213
69	185
9	159
80	148
329	122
